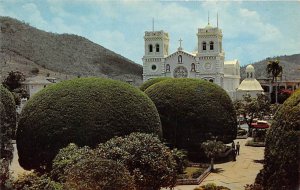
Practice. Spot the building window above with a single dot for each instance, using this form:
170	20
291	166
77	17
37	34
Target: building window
180	59
211	45
193	67
157	47
203	45
150	48
167	68
211	80
153	67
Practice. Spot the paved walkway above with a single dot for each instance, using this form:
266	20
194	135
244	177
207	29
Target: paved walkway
235	175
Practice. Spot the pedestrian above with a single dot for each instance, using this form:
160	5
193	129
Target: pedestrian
233	145
233	154
238	148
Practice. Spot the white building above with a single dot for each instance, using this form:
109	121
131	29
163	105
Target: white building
35	84
249	85
207	63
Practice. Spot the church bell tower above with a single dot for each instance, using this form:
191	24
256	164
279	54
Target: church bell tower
210	54
156	49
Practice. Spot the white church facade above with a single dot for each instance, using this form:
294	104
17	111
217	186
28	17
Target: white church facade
207	63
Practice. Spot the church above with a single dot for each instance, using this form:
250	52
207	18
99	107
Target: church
207	63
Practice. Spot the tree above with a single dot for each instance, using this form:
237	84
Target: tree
212	149
282	154
251	108
191	110
150	82
65	159
274	70
7	133
151	162
84	111
95	173
13	80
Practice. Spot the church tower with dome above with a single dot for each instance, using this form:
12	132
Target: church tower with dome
207	63
249	85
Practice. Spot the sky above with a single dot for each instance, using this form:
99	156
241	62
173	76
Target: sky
252	30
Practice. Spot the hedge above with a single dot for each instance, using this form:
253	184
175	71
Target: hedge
150	82
84	111
8	114
193	111
282	154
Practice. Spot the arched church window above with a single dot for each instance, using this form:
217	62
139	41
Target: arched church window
150	48
167	68
211	45
193	67
203	45
180	59
247	75
250	75
157	47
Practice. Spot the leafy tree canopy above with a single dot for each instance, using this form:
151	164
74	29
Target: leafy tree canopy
282	154
14	80
151	163
150	82
253	107
84	111
192	111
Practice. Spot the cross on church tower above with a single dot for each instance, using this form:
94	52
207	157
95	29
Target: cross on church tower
180	41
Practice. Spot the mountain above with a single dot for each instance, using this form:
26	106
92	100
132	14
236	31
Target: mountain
289	63
64	56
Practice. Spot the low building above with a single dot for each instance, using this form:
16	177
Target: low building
37	83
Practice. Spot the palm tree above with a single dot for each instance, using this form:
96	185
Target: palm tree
274	70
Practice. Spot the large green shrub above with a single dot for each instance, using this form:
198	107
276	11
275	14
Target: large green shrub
282	154
150	82
95	173
7	131
85	111
8	114
151	162
193	111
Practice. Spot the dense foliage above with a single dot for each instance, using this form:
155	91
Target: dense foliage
282	154
251	108
95	173
138	161
13	83
212	149
7	131
151	163
193	111
150	82
211	186
85	111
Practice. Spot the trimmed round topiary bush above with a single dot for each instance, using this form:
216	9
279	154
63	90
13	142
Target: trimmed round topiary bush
84	111
8	113
150	82
282	154
193	111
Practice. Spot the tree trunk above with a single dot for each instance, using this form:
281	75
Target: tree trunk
276	89
212	164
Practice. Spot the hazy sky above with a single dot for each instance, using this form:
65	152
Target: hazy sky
252	30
